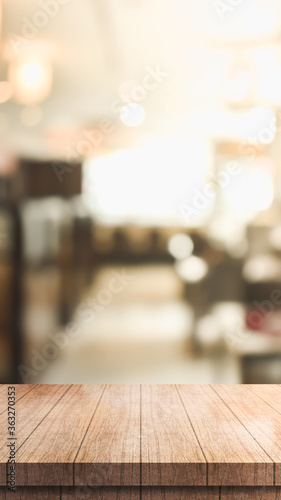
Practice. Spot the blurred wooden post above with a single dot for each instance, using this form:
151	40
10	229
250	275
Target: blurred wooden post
18	182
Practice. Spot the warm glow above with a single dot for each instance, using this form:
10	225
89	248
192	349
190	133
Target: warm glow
31	78
263	267
192	269
180	246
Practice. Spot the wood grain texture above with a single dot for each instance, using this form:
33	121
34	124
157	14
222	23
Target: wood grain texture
170	452
145	493
33	404
248	493
110	452
180	493
150	436
30	413
47	457
30	493
105	493
234	457
261	420
21	391
271	394
3	397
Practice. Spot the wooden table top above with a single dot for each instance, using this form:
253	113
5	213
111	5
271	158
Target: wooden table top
150	435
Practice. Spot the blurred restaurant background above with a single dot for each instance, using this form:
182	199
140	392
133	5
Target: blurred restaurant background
140	191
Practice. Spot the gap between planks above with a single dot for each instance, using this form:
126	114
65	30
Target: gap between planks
235	415
83	439
36	427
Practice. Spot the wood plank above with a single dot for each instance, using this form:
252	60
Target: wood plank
155	493
110	453
2	474
154	436
31	408
261	493
21	391
170	452
4	389
260	419
30	494
233	455
46	457
106	493
180	493
271	394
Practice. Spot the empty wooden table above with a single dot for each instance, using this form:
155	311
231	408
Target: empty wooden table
145	442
